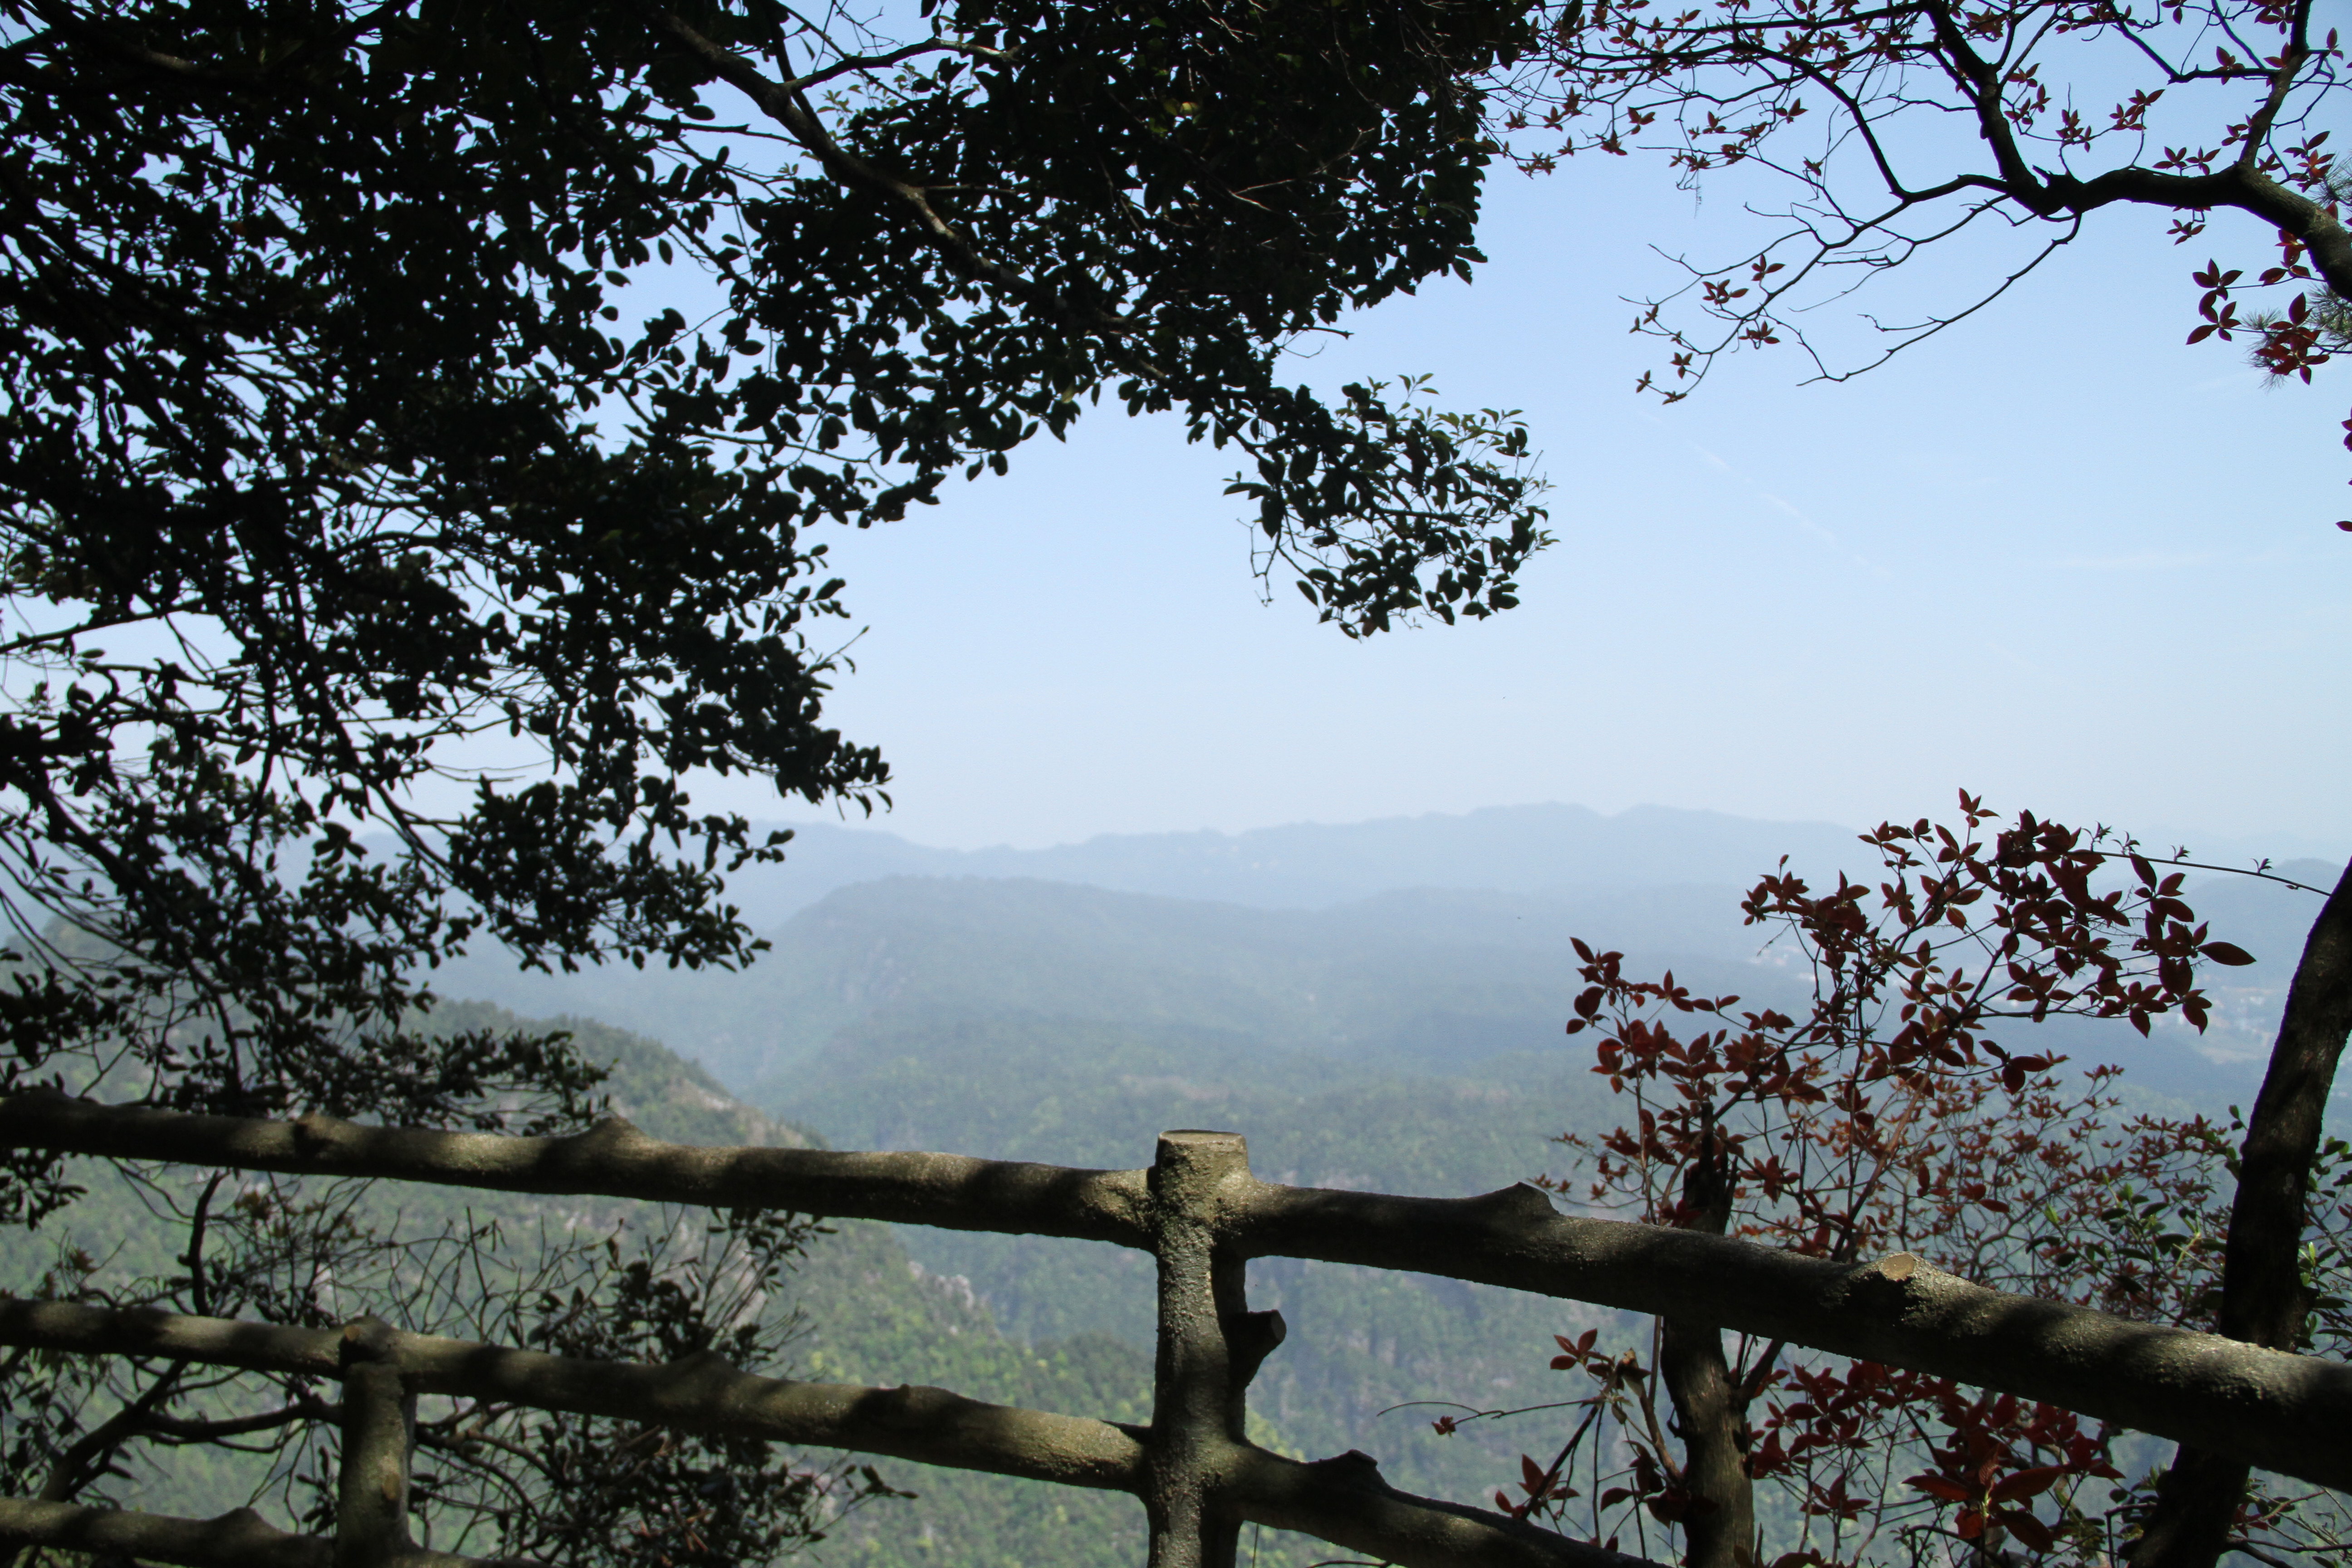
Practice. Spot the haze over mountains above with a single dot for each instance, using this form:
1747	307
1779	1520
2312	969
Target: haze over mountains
1516	849
1419	945
1375	1005
1544	849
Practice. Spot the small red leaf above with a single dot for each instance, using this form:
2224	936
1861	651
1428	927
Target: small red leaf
2027	1483
1937	1485
2029	1530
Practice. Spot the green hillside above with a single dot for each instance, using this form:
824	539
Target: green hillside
1412	982
868	1311
1362	1342
1408	1043
1424	979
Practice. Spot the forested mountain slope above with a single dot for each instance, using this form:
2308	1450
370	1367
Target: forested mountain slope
1423	980
1407	1040
867	1313
1665	883
1361	1341
1417	980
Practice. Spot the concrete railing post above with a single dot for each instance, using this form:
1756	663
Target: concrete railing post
379	1430
1210	1346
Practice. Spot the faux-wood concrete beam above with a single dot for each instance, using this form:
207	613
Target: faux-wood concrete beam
1343	1502
2288	1414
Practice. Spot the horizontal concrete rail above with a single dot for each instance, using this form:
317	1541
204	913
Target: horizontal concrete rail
2288	1414
614	1160
1342	1500
239	1539
2285	1413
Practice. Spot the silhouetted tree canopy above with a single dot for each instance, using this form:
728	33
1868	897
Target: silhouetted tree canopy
349	497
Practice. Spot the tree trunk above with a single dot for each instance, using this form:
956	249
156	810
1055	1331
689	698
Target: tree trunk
2263	1297
1720	1531
1715	1471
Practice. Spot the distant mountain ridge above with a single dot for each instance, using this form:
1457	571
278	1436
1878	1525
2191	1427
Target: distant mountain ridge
1308	896
1509	850
1426	975
1412	981
1543	850
1409	982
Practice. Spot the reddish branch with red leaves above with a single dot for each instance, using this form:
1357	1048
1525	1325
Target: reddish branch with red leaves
1889	1120
1833	120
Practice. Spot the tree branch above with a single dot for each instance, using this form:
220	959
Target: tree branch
188	1429
1979	82
2248	190
784	103
88	1455
2258	127
801	84
1719	1532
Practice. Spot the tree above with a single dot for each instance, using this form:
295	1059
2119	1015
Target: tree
1889	1119
374	587
2207	107
1838	101
318	413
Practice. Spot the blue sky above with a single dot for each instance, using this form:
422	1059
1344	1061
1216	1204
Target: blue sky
2054	555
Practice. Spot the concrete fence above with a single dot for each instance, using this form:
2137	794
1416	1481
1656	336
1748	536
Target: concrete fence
1202	1215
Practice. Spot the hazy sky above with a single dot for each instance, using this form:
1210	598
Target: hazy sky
2054	555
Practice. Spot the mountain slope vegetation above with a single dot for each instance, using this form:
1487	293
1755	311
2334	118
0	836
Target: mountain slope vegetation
1405	1040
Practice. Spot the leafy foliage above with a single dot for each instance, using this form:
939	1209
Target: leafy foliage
340	504
490	1477
1889	1120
